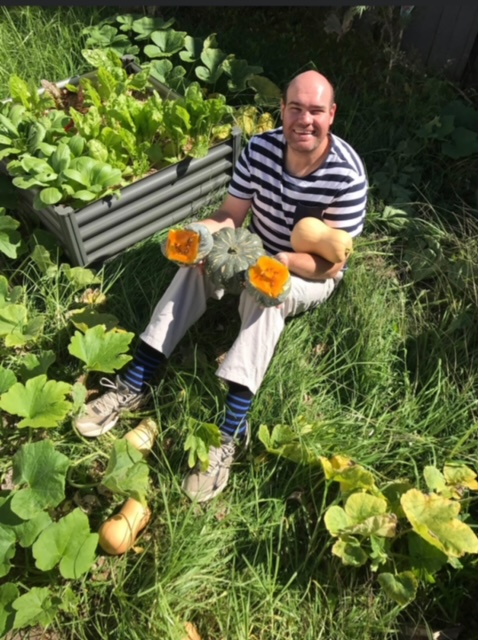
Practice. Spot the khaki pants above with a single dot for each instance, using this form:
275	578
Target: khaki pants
184	302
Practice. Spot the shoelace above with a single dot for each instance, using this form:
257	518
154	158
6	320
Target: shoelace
104	402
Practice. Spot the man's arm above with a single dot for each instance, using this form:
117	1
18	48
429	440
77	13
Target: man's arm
309	266
231	213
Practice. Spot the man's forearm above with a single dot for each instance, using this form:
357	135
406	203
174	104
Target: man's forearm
309	266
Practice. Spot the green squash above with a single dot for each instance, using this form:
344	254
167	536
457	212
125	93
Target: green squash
233	252
187	246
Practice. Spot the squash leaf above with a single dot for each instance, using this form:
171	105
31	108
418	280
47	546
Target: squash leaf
166	43
40	402
212	68
435	519
42	490
69	543
8	593
350	551
239	71
7	379
10	238
7	549
101	350
37	606
401	587
127	473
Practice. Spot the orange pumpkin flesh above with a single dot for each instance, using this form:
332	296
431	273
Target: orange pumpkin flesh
182	245
269	276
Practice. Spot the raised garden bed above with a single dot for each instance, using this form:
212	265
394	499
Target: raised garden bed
110	225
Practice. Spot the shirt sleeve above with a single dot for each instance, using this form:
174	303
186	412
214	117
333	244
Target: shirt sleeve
240	185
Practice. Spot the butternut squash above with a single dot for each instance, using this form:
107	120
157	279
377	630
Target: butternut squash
311	235
142	437
118	534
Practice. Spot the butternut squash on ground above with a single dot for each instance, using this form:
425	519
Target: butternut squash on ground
118	534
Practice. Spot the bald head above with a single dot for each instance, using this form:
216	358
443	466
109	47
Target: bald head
311	80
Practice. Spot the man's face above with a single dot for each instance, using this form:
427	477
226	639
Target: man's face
308	114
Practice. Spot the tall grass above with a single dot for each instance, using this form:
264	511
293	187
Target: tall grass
44	43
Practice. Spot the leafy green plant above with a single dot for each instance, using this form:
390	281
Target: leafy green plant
178	59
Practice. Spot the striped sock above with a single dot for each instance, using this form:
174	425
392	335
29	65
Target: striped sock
143	367
238	403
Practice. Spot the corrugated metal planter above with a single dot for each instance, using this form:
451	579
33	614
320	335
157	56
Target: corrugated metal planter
108	226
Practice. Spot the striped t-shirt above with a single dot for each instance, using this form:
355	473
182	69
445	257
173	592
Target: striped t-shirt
336	192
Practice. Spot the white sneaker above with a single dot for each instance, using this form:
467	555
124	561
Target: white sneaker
203	486
101	415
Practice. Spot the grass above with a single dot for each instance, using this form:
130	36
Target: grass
385	373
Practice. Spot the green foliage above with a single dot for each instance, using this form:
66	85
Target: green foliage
101	350
371	527
200	437
40	402
67	543
42	490
178	59
127	473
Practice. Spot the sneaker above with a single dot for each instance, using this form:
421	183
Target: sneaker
203	486
101	415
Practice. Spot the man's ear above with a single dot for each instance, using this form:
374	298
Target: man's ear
333	109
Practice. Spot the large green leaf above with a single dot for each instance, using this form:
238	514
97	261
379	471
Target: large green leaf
101	350
7	549
10	238
41	402
212	68
43	489
37	606
350	552
239	71
147	25
127	473
68	543
32	365
166	43
435	519
192	49
7	379
8	593
401	587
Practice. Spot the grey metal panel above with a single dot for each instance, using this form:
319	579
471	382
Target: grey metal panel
119	245
133	209
152	183
141	222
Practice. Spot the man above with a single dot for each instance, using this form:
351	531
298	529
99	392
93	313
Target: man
297	170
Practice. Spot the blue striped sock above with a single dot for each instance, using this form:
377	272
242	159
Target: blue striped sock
237	408
143	367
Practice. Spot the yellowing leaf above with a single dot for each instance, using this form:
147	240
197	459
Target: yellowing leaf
351	476
350	552
434	518
461	476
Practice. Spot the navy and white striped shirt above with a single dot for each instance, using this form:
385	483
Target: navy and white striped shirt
336	192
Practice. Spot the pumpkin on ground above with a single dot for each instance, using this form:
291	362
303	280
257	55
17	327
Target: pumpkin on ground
188	245
233	252
268	281
311	235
